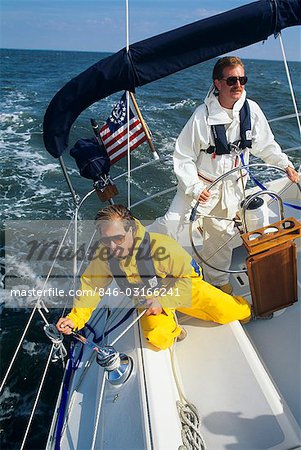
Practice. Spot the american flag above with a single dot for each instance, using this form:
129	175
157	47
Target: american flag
114	132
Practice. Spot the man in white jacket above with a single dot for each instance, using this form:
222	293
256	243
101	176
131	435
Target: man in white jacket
200	157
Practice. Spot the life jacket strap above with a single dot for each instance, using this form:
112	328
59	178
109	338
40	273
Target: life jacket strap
221	146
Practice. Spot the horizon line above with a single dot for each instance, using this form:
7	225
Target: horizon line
112	52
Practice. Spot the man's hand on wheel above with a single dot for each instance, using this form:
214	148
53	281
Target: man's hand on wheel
292	174
204	196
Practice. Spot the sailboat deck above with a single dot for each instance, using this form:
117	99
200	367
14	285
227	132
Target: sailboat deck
244	381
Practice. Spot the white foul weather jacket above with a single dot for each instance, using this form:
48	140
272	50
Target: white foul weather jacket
195	168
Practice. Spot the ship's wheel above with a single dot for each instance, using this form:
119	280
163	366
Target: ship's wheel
194	217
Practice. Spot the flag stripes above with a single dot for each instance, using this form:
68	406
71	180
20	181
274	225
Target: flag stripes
114	133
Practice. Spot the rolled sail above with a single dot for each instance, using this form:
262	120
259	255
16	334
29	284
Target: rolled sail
162	55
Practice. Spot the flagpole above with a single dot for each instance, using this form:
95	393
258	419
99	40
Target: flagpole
144	126
128	111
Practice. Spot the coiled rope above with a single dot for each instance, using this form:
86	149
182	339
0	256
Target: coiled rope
191	435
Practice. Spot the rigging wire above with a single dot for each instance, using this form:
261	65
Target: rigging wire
75	247
158	194
289	82
128	327
37	398
37	307
39	302
142	166
128	149
128	112
287	116
18	348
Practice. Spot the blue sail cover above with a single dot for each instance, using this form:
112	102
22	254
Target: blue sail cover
162	55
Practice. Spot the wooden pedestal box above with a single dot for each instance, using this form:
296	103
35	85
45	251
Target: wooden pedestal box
273	278
272	265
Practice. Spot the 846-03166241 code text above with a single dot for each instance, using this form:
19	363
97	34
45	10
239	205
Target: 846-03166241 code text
139	292
129	292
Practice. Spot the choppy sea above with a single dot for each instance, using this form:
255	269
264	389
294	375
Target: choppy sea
33	188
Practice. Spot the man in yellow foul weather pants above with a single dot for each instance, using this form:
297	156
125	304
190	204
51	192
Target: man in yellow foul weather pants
156	268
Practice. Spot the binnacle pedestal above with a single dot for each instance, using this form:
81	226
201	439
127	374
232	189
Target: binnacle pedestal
272	265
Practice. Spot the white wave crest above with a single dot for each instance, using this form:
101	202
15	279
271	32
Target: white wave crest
182	104
32	348
186	103
7	400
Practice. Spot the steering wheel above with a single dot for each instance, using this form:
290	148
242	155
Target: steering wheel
245	206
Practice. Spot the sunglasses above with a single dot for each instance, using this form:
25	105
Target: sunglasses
231	81
118	239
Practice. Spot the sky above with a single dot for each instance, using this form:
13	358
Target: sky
99	25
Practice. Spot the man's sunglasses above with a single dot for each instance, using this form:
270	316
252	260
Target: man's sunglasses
231	81
118	239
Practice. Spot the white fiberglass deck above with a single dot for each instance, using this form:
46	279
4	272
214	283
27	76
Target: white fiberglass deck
240	406
244	381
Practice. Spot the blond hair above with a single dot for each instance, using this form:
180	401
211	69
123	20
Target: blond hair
115	212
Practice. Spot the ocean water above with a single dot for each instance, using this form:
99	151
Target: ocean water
33	188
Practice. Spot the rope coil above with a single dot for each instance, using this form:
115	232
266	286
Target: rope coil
191	435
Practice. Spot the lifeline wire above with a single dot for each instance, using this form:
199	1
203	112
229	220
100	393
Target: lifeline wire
98	411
